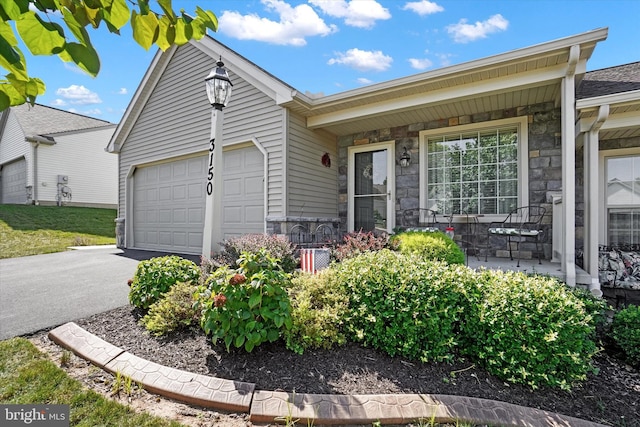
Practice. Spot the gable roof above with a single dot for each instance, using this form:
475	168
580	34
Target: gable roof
607	81
42	120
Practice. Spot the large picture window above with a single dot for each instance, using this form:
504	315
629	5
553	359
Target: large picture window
473	171
623	199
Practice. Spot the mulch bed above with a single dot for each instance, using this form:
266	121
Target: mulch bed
611	397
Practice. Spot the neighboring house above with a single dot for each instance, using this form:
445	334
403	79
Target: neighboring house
54	157
483	137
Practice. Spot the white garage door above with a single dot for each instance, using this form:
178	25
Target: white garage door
14	182
169	201
168	205
243	197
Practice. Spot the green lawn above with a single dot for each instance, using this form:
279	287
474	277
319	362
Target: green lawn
31	230
28	377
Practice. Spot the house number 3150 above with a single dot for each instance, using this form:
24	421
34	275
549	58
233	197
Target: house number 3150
212	146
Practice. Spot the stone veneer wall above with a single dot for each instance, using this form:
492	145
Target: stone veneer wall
544	152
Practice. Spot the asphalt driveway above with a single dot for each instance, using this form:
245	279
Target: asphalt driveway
42	291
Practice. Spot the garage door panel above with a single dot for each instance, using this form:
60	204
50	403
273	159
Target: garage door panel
14	182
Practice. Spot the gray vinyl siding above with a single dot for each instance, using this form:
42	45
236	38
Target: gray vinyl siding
312	187
176	121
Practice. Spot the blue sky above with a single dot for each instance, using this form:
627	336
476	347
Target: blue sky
329	46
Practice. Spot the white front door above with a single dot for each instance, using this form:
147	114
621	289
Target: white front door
372	187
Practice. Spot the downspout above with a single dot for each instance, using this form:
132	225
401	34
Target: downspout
591	205
569	166
35	172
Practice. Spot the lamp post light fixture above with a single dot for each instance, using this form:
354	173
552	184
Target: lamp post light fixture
405	158
218	86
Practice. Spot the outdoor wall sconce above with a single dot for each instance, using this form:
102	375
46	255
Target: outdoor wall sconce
405	158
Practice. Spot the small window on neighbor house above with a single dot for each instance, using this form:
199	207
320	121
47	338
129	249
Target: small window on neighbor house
623	200
473	172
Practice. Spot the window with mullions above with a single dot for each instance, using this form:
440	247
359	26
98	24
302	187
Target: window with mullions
473	172
623	200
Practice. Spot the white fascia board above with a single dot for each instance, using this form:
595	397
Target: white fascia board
543	49
246	70
473	90
140	98
614	99
614	121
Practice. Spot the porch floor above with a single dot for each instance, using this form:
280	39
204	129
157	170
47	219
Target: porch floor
529	266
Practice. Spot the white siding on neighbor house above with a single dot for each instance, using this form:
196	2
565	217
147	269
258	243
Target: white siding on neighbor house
176	121
312	188
92	172
13	147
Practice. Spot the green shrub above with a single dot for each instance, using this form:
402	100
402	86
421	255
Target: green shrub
356	243
403	304
173	311
528	329
154	277
247	306
435	246
318	308
276	246
625	331
595	306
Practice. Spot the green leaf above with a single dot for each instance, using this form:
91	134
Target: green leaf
42	38
248	346
84	57
14	8
255	300
145	29
118	14
278	321
76	28
46	5
94	15
8	52
5	100
166	34
168	10
239	341
208	18
273	335
184	32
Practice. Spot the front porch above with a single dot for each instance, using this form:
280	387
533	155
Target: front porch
529	266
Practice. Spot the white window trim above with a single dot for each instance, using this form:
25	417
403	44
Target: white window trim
602	210
391	180
522	123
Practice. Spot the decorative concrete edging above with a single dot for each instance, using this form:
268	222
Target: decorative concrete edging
324	409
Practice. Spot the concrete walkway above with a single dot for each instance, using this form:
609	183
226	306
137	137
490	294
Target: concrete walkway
271	406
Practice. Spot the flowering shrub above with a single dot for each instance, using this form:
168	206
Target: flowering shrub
435	246
403	304
277	247
247	306
319	306
625	331
356	243
528	329
154	277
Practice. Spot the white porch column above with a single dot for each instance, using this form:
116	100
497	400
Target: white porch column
212	234
569	168
591	198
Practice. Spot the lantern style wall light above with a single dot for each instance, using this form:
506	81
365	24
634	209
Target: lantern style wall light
218	86
405	158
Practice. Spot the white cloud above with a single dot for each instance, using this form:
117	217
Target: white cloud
463	32
79	95
123	91
424	7
420	64
364	81
58	102
445	58
363	60
294	25
356	13
93	112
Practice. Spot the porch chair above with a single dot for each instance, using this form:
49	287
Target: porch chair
420	219
521	224
299	235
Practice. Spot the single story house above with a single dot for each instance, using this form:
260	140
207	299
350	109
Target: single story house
526	127
54	157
